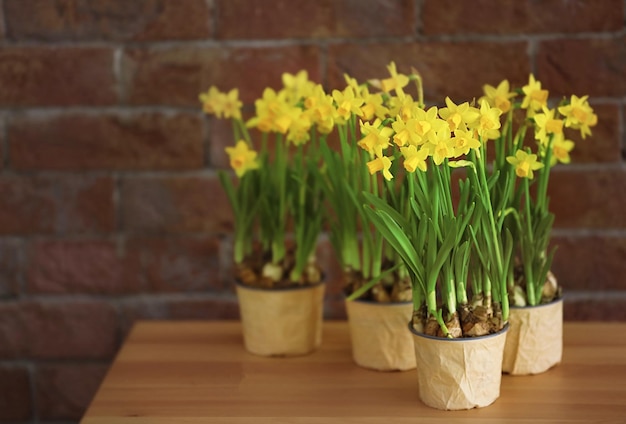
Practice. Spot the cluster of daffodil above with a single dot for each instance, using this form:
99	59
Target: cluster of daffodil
531	220
278	189
443	246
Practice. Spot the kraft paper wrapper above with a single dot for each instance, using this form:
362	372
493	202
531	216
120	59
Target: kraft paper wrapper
459	373
283	322
534	343
380	339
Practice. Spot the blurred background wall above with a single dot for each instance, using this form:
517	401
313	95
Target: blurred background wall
110	209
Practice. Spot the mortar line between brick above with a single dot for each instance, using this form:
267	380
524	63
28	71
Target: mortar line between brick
33	391
418	14
213	21
118	54
4	148
286	42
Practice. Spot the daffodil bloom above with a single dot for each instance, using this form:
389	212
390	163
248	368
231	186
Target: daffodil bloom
268	108
426	121
579	115
210	100
297	86
299	129
534	97
242	158
499	96
226	105
380	163
440	145
373	106
376	138
488	123
321	108
458	116
403	133
524	163
546	124
414	159
347	104
395	82
463	141
560	149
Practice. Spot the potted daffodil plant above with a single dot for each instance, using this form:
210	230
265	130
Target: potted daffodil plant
375	281
530	151
453	242
277	206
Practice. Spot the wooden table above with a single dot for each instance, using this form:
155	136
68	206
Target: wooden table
192	372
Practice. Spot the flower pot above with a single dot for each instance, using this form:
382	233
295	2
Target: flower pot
534	342
459	373
281	322
378	334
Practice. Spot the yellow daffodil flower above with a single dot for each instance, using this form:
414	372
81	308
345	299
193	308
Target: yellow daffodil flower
376	138
534	97
395	82
458	116
499	96
222	105
546	124
242	158
347	104
524	164
404	134
560	149
381	163
579	115
297	86
373	106
463	141
414	159
426	121
488	124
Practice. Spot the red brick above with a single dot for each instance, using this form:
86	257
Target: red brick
64	391
15	394
10	265
45	205
319	19
106	141
603	308
583	66
588	198
81	266
177	308
520	17
175	205
80	20
439	63
57	330
56	76
604	143
174	265
590	262
176	76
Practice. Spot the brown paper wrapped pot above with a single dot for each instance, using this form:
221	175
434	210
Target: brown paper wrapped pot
534	342
463	373
380	340
283	322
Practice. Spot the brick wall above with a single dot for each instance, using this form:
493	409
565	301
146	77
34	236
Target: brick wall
110	210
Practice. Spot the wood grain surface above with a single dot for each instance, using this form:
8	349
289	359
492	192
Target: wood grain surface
193	372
